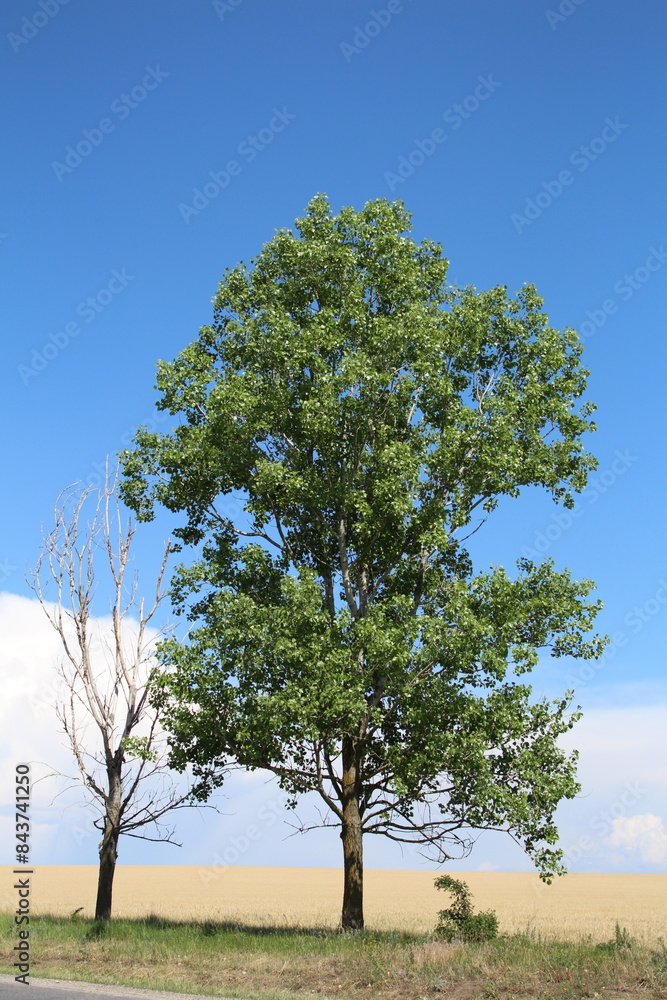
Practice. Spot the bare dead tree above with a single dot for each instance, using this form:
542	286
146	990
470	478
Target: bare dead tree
107	669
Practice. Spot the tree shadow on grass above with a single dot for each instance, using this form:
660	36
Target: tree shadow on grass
211	928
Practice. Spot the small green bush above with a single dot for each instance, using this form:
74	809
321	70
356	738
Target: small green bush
459	923
622	940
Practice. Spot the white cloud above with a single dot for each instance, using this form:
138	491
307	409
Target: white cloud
644	834
30	731
29	655
620	744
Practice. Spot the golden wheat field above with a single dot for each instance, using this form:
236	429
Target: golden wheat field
574	906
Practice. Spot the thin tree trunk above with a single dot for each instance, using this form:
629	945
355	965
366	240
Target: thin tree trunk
109	849
351	834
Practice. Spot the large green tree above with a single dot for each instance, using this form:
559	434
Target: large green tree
370	416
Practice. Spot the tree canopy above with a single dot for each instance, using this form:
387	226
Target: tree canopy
371	416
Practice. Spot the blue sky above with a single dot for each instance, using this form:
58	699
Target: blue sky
150	146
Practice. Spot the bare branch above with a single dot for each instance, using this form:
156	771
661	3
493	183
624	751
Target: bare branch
345	569
107	675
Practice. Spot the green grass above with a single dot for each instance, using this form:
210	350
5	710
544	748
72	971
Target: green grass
289	963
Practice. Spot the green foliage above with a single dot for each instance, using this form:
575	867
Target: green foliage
622	937
459	923
141	747
369	415
622	940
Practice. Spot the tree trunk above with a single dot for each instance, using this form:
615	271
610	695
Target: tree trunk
352	836
108	849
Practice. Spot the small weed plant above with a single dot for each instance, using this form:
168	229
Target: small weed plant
459	923
622	941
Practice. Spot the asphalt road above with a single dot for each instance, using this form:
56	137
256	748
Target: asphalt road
60	989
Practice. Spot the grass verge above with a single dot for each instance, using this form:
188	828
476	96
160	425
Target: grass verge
298	963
